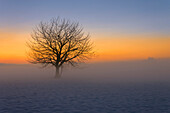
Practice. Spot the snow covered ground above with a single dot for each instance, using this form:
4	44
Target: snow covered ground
120	87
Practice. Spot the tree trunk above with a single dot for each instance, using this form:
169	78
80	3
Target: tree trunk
57	73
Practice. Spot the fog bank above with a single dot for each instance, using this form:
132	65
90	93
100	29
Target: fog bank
125	71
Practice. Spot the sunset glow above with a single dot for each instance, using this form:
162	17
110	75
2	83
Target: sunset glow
120	30
108	48
136	47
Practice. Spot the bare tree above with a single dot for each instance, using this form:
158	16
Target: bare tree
59	42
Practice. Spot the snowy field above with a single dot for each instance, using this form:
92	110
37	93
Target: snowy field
115	87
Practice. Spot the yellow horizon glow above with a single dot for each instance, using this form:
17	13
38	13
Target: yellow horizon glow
12	47
132	47
108	48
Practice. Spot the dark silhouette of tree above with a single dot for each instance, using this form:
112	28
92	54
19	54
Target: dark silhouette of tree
59	42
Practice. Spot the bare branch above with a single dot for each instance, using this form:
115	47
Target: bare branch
59	42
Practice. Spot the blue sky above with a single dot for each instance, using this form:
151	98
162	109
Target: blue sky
126	16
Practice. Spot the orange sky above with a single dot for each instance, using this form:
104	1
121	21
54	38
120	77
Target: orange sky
131	47
12	47
108	47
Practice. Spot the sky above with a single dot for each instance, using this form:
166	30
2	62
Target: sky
120	29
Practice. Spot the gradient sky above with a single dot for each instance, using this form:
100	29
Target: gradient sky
120	29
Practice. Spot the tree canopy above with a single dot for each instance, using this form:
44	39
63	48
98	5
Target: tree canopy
59	42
